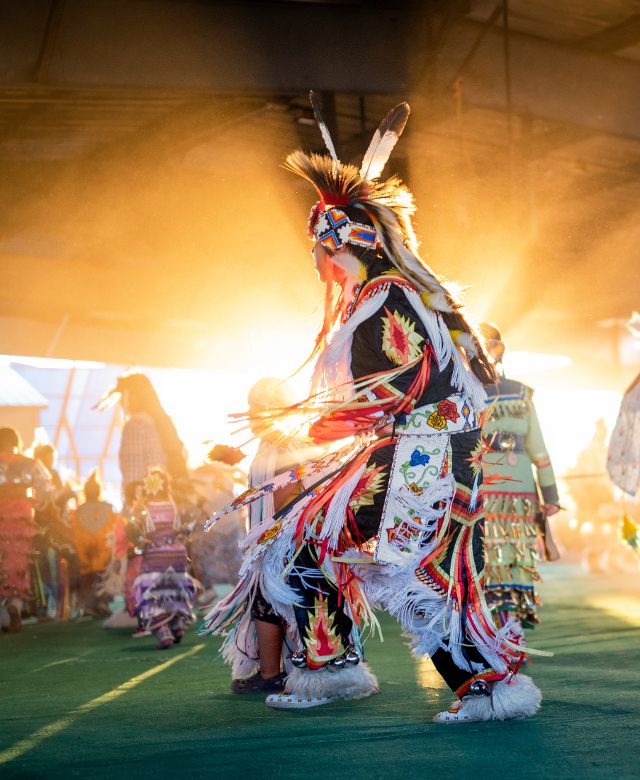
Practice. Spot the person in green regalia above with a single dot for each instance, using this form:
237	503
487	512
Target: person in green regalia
520	494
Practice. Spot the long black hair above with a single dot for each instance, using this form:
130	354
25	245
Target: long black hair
142	397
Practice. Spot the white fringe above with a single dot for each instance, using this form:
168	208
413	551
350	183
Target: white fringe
514	698
284	538
240	647
337	509
426	615
215	621
352	682
424	504
263	467
466	381
463	379
272	573
333	366
437	331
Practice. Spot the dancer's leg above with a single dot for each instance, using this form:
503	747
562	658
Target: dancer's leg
269	629
270	639
326	667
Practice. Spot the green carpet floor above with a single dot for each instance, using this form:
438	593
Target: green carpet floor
64	714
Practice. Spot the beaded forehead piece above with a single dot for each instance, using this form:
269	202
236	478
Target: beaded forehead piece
333	229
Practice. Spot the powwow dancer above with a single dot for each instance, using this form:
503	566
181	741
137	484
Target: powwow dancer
255	648
93	526
623	455
520	494
24	485
164	592
216	556
394	516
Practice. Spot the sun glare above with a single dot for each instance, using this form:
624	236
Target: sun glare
623	607
214	395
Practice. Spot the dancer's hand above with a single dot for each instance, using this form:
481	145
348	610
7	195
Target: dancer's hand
551	552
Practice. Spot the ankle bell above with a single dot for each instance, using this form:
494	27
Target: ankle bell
478	688
299	659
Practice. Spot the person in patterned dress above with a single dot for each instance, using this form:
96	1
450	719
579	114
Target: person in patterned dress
149	437
392	516
24	486
520	496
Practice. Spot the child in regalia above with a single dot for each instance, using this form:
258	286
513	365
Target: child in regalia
164	591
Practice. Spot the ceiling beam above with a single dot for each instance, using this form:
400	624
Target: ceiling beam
220	45
160	141
47	48
613	39
550	81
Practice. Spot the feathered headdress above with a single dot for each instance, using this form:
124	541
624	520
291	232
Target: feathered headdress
388	206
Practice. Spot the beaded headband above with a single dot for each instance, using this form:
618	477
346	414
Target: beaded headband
333	228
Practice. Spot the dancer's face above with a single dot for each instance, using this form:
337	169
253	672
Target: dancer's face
259	422
331	268
495	349
323	263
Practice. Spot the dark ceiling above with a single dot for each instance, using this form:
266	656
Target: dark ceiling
143	215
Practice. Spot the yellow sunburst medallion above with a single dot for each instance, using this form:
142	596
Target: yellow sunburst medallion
400	342
153	484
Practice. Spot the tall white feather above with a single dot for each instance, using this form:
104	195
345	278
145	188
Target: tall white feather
324	128
383	141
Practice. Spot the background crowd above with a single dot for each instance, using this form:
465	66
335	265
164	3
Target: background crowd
66	553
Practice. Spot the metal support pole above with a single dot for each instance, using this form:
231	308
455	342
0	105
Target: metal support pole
493	18
507	69
49	39
506	49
